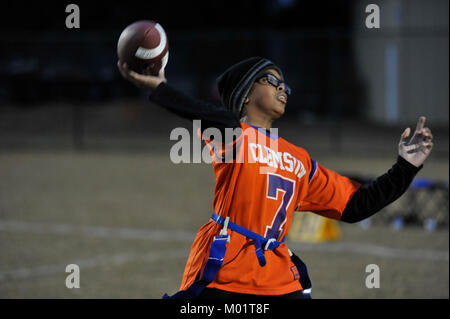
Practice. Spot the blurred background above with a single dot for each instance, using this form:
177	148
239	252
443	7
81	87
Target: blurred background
85	173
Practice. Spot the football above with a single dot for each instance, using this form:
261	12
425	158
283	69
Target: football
143	45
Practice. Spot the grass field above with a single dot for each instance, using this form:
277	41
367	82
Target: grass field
128	220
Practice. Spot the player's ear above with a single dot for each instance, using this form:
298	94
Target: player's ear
247	98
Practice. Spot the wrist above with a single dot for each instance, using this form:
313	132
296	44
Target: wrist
404	163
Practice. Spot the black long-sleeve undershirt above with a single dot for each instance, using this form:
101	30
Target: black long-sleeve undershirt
367	200
372	197
210	114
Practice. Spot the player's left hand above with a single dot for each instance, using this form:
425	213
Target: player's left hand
417	149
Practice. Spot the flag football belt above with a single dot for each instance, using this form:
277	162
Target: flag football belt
261	243
217	255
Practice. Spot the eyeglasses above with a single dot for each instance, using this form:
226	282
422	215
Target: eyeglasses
273	80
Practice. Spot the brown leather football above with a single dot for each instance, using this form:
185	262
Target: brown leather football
143	45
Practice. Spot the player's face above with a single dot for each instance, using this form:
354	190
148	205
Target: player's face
267	97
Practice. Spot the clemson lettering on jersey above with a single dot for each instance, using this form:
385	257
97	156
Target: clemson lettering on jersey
285	161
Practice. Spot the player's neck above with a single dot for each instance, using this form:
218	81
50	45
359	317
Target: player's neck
261	121
262	124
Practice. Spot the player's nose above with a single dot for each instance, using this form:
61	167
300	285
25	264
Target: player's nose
281	87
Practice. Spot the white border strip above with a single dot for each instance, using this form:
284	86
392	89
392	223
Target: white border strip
145	54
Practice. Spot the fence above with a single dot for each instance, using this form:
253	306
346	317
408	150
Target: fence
425	204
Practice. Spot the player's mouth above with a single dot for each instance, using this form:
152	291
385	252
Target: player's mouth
282	97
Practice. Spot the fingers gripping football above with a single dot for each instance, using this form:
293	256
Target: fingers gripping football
148	82
417	148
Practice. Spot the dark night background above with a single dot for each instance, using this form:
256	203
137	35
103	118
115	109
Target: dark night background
310	40
338	69
86	175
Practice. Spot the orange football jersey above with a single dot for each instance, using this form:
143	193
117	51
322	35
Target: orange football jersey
259	189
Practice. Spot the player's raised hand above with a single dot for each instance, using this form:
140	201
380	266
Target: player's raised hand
149	82
417	149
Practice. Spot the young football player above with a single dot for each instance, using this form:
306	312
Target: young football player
240	252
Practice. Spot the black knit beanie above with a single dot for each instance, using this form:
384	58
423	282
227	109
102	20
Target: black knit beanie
235	83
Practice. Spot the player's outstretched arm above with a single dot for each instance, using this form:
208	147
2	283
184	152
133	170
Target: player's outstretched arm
178	103
372	197
418	148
